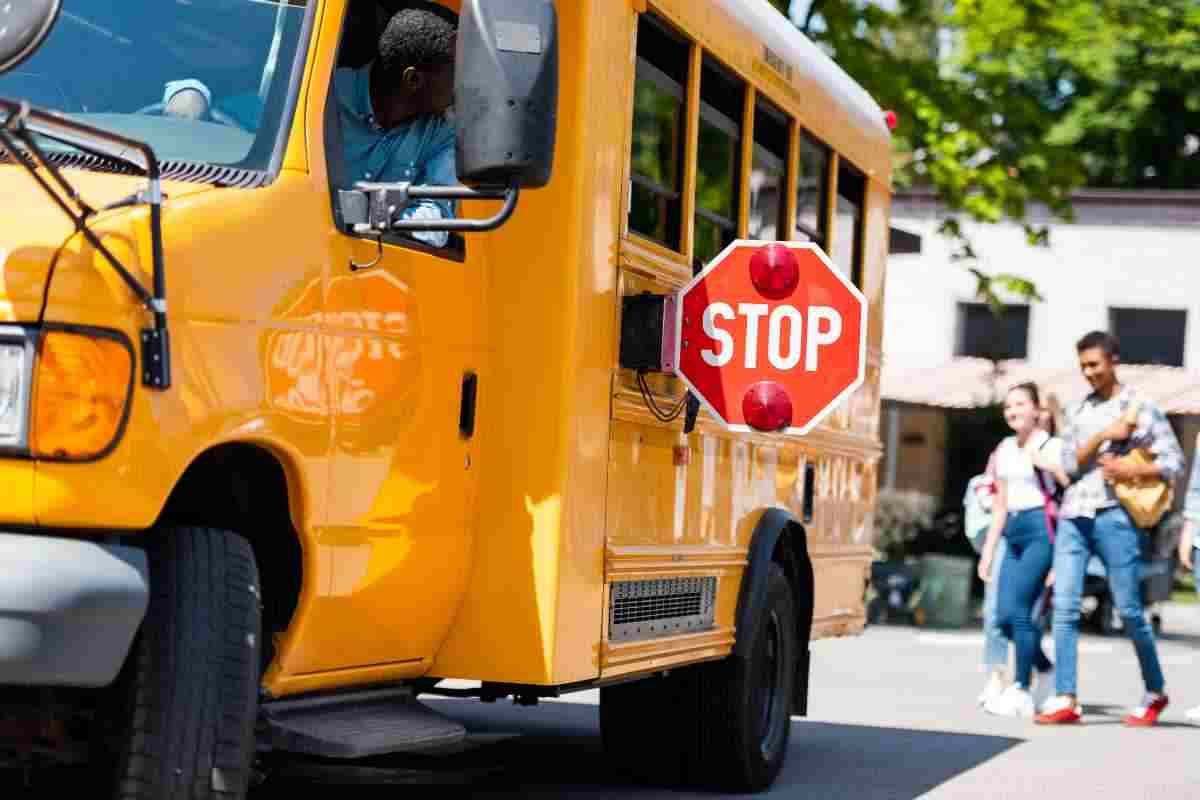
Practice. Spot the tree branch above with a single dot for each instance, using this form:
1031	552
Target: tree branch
813	7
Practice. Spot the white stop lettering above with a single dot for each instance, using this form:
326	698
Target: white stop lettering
783	351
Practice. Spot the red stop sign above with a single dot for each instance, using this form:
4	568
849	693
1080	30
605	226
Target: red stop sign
771	336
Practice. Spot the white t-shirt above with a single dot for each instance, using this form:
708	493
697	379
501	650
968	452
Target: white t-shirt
1015	468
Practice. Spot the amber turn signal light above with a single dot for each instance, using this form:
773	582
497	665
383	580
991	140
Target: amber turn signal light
81	387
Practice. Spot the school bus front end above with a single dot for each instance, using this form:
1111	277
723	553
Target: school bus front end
278	468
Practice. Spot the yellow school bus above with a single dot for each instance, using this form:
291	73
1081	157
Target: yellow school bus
272	468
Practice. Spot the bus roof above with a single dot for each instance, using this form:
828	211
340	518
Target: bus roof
811	65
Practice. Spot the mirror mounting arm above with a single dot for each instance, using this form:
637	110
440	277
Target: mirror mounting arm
18	131
370	209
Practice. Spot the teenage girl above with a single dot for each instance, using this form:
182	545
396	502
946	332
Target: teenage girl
1019	514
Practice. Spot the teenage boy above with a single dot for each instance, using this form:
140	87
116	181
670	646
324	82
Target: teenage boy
1092	521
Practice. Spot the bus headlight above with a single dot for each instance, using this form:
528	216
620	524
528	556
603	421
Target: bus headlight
81	388
15	373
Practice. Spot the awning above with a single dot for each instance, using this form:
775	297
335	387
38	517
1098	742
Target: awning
977	382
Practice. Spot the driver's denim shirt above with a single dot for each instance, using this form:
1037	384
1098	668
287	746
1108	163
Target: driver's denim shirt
419	151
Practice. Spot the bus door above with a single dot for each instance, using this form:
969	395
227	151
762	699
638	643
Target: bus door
402	346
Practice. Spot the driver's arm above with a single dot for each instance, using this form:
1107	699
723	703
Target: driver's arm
438	171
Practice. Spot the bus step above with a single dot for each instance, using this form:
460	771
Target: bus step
358	725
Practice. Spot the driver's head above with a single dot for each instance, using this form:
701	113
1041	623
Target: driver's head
414	73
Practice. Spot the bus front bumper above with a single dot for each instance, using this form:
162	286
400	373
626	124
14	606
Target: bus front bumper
69	609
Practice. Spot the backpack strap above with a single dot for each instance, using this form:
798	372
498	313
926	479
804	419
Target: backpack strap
1047	484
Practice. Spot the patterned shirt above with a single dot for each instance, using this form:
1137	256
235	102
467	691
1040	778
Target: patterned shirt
1089	492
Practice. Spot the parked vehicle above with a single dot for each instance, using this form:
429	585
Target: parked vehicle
1157	572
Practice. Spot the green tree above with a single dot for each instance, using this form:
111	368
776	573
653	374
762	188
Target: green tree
1128	99
1005	103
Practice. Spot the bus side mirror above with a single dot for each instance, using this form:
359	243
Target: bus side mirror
506	92
23	28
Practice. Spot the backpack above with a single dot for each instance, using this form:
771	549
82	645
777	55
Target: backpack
977	504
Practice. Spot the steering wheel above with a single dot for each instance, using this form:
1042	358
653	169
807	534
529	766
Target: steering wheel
215	114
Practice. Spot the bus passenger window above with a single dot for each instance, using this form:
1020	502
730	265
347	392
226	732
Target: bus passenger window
656	169
811	191
848	222
718	159
768	177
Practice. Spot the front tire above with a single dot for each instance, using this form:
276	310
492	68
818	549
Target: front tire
189	689
723	725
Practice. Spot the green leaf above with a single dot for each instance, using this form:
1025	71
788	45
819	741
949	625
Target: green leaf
1008	103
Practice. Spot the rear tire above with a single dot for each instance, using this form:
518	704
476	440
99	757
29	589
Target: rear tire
723	725
189	689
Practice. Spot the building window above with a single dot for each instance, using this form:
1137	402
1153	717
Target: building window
656	173
811	188
768	177
1149	335
984	334
847	252
718	160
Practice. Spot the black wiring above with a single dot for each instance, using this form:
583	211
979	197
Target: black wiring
648	397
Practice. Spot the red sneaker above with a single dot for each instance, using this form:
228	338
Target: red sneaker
1147	713
1058	711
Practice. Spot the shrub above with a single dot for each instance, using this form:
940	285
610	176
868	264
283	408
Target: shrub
901	517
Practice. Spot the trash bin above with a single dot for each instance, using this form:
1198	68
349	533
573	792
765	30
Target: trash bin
945	591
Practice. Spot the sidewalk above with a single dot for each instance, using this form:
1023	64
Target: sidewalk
904	679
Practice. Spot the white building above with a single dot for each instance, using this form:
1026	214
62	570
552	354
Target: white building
1130	264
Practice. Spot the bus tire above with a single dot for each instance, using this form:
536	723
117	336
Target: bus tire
722	725
745	715
189	690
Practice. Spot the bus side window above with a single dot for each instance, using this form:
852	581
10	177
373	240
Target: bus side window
812	188
659	115
718	160
768	175
847	252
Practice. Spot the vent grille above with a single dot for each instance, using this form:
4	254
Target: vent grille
647	609
174	170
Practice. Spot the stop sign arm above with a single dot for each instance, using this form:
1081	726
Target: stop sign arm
771	336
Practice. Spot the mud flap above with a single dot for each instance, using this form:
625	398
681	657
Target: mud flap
800	696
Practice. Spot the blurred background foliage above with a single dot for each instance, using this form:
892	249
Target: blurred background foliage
1006	103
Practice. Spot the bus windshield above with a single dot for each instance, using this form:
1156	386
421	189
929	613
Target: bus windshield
197	80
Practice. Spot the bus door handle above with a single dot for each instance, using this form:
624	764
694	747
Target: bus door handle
466	408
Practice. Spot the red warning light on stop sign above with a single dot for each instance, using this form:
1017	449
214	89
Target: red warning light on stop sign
771	336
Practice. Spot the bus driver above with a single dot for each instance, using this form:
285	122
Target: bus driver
394	111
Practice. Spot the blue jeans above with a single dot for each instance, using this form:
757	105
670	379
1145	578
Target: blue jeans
1113	537
1022	580
995	643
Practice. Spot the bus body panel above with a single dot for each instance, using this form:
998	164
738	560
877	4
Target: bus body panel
532	607
426	552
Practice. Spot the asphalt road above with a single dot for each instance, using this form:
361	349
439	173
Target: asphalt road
893	716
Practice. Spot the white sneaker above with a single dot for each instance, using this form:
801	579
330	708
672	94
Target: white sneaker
1012	702
1043	688
992	689
1193	714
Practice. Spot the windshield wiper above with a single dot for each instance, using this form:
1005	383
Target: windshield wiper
18	135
